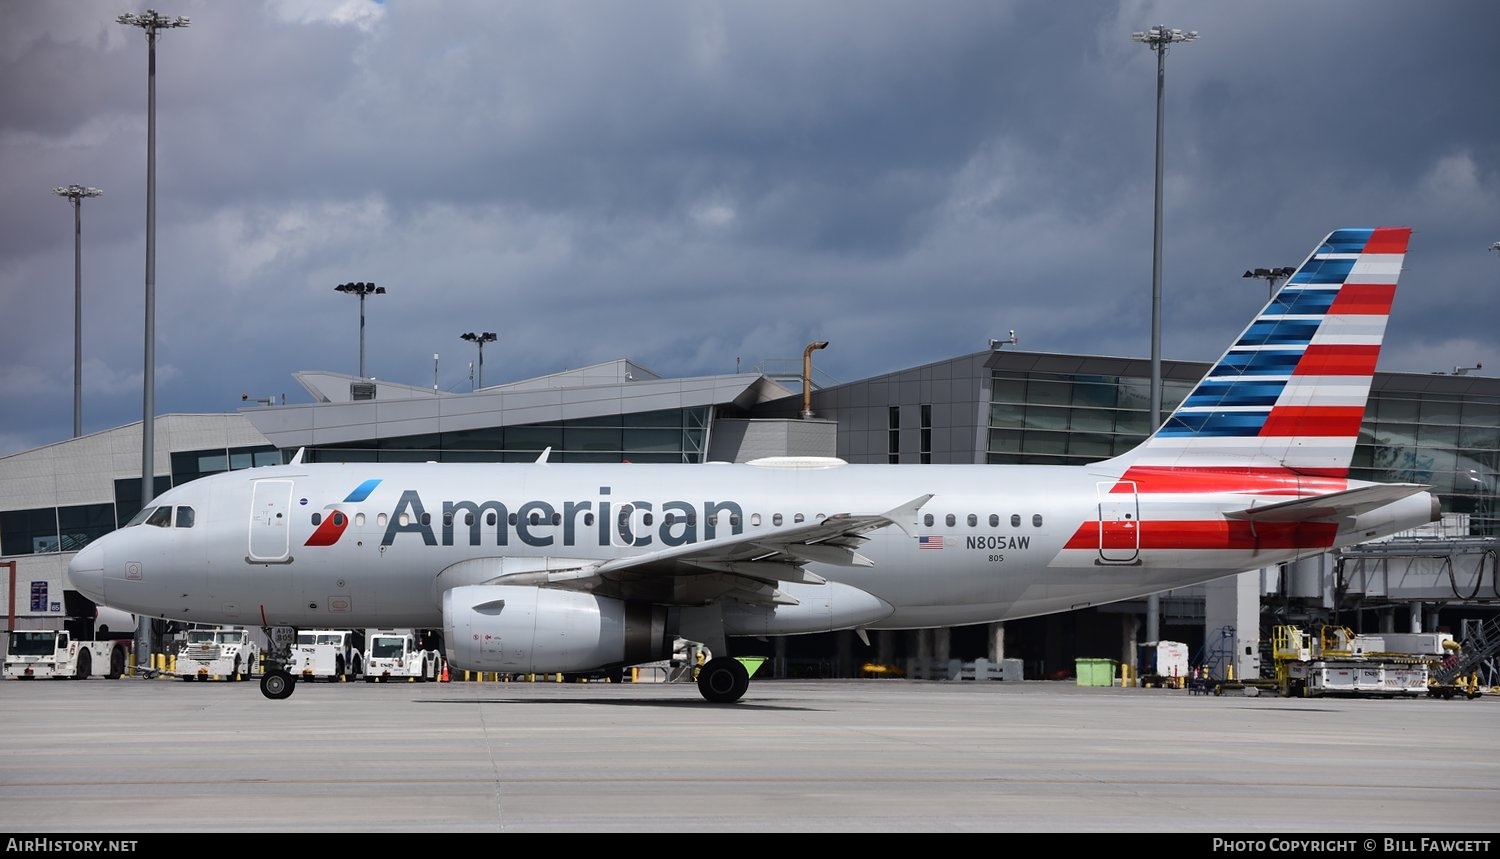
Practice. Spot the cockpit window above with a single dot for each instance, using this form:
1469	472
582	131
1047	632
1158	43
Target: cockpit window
184	517
161	517
140	517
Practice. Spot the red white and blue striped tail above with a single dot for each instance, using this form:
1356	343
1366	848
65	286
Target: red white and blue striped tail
1291	392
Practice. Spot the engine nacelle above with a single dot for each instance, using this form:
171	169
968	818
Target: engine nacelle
523	630
820	608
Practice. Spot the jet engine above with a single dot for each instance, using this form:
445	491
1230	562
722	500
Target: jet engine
522	630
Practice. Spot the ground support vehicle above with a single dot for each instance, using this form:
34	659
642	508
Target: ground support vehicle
1164	664
56	653
222	653
1338	662
395	654
325	654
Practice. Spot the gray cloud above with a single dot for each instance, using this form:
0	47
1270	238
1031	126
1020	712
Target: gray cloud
700	185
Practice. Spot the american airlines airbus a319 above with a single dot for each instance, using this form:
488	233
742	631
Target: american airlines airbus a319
557	567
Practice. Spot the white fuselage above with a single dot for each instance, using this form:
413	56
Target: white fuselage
363	545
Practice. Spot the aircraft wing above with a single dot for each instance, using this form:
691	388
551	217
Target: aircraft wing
747	566
1335	505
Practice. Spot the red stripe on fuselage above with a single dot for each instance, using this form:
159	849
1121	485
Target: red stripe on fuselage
1213	534
1152	480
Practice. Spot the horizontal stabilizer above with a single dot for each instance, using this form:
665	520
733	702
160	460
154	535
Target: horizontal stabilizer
1334	505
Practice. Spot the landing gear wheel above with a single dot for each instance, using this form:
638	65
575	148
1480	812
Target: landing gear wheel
277	684
723	680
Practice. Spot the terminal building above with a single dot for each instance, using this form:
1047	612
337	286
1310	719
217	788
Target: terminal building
1000	405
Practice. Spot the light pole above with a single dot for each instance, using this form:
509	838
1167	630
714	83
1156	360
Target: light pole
76	193
1158	38
1271	276
481	339
361	290
152	23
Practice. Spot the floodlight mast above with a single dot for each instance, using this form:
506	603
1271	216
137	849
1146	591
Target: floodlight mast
1271	276
1158	39
481	339
361	289
152	23
77	193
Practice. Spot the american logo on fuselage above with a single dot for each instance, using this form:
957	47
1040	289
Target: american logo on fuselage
601	521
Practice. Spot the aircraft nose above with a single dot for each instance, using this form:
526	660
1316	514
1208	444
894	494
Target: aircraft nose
86	572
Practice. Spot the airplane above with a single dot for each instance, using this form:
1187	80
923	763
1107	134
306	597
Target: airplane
550	567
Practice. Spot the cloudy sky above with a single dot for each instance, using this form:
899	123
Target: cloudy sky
703	186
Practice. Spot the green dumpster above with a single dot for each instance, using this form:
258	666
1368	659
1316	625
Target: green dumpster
1095	672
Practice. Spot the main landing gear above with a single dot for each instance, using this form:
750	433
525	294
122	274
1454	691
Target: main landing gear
723	680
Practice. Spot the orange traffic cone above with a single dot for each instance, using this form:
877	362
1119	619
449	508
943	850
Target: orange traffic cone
445	671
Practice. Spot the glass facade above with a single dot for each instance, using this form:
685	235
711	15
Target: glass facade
1447	441
42	530
669	435
1057	419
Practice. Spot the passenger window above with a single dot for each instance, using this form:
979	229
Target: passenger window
797	518
994	520
646	519
427	519
588	518
949	520
489	518
317	518
381	520
973	520
755	519
1015	520
1036	520
734	520
927	520
359	520
469	519
184	517
447	518
776	519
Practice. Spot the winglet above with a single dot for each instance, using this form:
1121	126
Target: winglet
905	516
297	457
542	458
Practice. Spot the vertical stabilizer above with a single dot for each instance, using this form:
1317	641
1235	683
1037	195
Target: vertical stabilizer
1291	392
